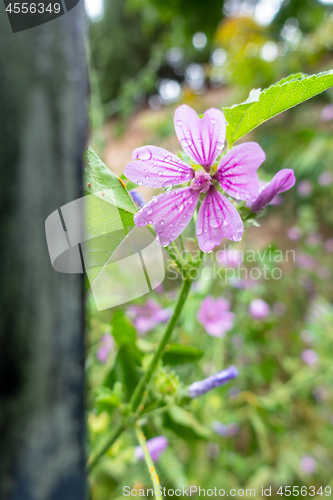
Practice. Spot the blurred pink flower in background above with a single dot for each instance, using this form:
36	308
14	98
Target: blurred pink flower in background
327	113
306	261
294	233
314	239
308	464
215	316
147	316
229	257
259	309
310	357
155	447
305	188
325	179
329	245
105	348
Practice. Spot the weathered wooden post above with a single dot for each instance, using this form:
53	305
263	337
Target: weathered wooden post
43	129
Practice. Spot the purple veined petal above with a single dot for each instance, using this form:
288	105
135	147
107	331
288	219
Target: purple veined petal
157	168
170	213
202	139
217	219
237	171
282	181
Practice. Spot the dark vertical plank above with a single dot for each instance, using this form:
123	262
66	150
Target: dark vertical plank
43	128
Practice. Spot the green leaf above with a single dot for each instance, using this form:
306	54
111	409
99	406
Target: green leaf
263	105
107	399
108	216
177	354
126	369
100	178
185	424
122	330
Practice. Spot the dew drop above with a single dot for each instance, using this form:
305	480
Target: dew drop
161	222
186	142
140	183
149	210
212	121
219	145
167	159
175	208
179	122
199	231
214	223
160	172
145	155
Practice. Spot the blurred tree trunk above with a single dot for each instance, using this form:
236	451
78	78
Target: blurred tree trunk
43	125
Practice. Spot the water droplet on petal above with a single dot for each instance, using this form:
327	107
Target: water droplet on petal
199	231
167	185
219	145
212	121
160	172
145	155
175	208
167	159
179	122
186	142
149	210
140	183
214	223
161	222
142	222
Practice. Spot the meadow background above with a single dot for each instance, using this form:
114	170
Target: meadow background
147	57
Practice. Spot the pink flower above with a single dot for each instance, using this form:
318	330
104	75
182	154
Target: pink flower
305	188
106	346
294	233
282	181
327	113
310	357
202	139
147	316
215	316
259	309
308	464
325	178
155	447
329	245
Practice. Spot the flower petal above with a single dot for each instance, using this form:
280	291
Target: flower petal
237	171
282	181
170	212
217	219
157	168
202	139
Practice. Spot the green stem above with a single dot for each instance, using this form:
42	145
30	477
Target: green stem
145	379
114	436
149	462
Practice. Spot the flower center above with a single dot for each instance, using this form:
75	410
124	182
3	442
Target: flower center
201	182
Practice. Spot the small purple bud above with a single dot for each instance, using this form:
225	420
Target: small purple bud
137	198
220	378
155	447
